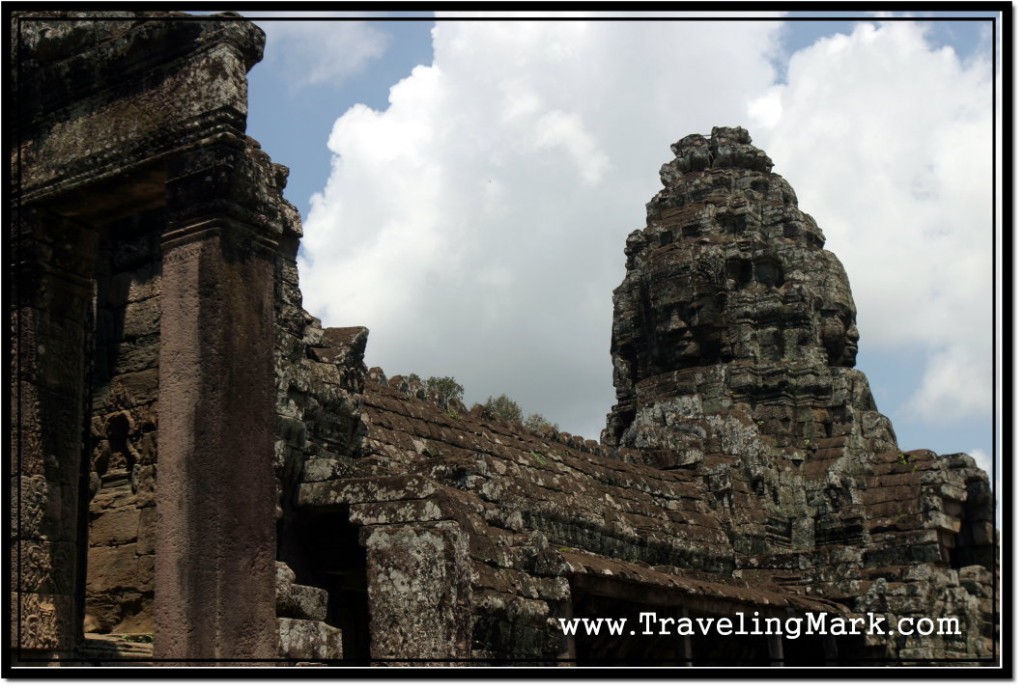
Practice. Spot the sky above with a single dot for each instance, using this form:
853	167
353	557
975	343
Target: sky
467	187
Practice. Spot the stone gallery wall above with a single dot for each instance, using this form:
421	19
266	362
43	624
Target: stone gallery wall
123	389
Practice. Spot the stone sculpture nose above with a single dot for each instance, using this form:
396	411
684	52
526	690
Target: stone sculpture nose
677	323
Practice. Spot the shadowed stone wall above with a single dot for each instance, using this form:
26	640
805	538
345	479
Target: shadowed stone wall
152	345
124	386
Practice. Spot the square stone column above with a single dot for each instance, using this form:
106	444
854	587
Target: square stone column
418	578
216	490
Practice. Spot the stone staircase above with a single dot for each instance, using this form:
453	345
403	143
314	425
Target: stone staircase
301	610
115	650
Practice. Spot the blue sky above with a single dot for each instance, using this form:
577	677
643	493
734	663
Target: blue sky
475	247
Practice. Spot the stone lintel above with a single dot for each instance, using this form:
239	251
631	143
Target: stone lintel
102	99
338	493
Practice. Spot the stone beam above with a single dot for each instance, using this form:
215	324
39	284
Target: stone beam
101	99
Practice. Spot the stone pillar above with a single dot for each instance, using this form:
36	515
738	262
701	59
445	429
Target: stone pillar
569	646
216	490
418	581
775	650
53	261
683	644
830	649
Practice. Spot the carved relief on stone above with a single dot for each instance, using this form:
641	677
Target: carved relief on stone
728	282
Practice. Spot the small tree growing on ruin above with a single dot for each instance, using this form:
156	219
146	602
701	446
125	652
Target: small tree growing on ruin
446	389
504	408
535	422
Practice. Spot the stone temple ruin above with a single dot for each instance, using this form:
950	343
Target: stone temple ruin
202	472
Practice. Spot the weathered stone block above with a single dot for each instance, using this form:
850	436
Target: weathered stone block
308	640
321	469
418	577
415	511
117	527
145	485
141	354
112	568
337	492
141	319
143	385
146	540
301	602
134	286
144	574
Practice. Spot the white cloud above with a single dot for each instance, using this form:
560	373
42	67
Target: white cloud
477	225
888	143
325	52
957	384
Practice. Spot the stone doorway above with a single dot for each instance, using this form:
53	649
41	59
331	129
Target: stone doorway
323	549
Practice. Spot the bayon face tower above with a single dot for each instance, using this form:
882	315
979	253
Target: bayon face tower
730	301
733	345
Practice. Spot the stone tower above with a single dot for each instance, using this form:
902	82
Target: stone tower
733	345
731	302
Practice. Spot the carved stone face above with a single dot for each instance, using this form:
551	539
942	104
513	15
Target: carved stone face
728	271
838	318
759	311
684	325
839	335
